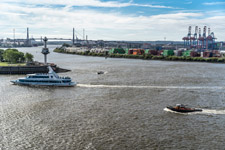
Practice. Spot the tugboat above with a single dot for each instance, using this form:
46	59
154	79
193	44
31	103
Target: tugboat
49	79
182	109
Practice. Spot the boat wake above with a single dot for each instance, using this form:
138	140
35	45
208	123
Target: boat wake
147	87
213	111
204	111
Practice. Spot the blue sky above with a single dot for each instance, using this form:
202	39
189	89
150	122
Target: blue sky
134	20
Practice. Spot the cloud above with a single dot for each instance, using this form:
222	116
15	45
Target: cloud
14	14
86	3
58	22
188	2
214	3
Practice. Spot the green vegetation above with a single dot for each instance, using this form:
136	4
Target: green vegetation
13	56
1	54
7	64
66	45
28	57
59	50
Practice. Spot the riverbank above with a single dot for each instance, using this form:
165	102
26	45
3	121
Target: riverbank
148	57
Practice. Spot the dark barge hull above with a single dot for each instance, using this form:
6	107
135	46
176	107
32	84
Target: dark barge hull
183	111
28	69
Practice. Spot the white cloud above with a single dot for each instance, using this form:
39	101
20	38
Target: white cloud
188	2
214	3
14	14
51	22
90	3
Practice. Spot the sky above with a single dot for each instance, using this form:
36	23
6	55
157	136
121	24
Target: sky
133	20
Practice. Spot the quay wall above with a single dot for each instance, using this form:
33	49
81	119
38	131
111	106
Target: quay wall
29	69
23	69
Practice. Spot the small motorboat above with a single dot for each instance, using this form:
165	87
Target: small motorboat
182	108
100	72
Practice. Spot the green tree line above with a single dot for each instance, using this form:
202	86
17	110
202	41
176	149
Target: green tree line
14	56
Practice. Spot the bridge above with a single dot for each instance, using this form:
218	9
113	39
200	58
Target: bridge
28	41
38	39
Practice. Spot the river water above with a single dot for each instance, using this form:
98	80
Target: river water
123	109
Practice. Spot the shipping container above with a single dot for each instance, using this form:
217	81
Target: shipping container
126	50
130	52
168	53
135	52
147	51
194	54
160	52
117	51
153	52
186	53
207	54
179	53
216	53
202	54
138	51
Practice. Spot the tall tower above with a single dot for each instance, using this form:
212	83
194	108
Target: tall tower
27	33
28	39
45	50
73	35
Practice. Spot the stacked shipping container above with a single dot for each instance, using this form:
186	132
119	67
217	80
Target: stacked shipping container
117	51
138	51
153	52
168	53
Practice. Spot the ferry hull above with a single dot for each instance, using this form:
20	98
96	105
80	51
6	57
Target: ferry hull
44	84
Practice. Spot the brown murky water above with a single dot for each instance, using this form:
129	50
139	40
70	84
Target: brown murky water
120	110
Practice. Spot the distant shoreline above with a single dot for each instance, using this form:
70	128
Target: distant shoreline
149	57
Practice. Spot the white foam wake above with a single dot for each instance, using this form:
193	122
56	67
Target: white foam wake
149	87
168	110
213	111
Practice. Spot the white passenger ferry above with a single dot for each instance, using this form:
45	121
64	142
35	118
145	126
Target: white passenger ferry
48	79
